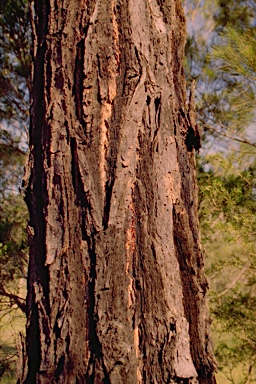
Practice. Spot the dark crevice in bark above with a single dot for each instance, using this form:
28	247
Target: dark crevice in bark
36	199
192	140
96	357
81	199
157	102
42	10
108	193
99	99
78	81
60	368
33	349
75	173
48	76
38	273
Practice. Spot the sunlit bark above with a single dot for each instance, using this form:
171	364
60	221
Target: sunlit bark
116	282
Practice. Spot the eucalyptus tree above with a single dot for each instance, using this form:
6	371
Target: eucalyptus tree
116	289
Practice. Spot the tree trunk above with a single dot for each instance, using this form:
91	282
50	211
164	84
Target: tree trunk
116	290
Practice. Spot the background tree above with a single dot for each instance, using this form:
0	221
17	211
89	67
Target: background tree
225	105
228	217
234	192
14	106
112	196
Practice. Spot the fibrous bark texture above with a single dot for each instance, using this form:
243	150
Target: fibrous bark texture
116	290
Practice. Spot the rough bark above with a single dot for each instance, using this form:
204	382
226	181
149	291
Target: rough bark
116	290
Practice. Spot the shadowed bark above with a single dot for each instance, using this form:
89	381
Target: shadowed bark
116	290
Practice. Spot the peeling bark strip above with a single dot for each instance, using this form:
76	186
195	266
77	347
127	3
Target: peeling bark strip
116	290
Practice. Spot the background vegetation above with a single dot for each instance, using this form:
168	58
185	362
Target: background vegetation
221	52
15	63
221	58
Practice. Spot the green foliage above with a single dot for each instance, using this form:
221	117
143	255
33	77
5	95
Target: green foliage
239	13
13	240
7	363
224	66
223	63
15	60
15	63
13	272
234	60
237	53
228	224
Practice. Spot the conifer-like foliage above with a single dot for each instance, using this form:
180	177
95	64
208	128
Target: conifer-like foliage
14	116
234	61
15	60
226	95
231	194
228	223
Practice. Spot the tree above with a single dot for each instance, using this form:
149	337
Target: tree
116	289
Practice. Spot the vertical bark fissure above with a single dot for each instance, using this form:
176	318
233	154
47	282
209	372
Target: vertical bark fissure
96	359
78	81
35	198
89	235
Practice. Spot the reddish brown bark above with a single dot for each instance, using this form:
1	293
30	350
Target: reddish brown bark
116	281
